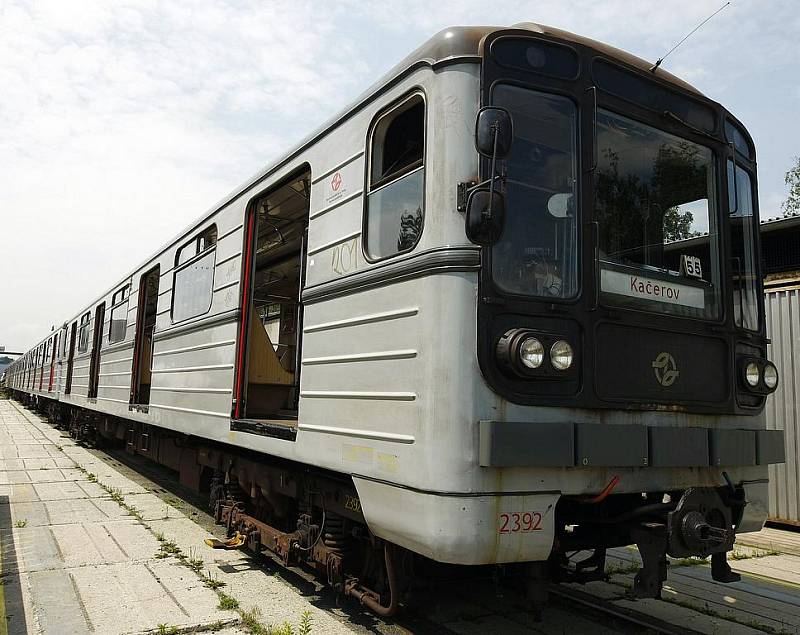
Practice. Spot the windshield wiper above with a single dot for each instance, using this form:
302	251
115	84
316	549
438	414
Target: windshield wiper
668	114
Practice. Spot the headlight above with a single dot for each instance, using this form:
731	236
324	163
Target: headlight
561	355
770	376
752	373
531	352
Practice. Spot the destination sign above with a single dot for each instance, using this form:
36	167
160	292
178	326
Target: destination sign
635	285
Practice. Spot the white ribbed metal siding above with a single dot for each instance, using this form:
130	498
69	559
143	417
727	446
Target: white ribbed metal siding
783	328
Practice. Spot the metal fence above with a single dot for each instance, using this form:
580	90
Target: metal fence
783	328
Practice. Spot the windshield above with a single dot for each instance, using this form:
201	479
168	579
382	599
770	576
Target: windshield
537	252
655	206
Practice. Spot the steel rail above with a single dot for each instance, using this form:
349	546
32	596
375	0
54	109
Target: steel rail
574	596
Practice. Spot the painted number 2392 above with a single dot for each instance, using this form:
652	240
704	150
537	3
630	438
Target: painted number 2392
516	522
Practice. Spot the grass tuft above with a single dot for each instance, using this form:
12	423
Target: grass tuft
212	582
193	562
227	603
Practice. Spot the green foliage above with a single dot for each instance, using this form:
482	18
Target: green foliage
227	603
304	628
791	205
635	210
193	561
677	225
212	582
250	620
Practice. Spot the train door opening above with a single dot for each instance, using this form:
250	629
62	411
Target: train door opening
268	364
53	356
71	357
147	307
97	343
42	353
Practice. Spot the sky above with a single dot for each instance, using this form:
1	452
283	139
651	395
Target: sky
123	121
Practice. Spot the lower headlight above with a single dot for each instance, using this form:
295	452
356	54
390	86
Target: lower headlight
531	352
561	355
770	376
752	374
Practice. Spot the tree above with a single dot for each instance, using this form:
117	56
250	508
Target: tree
678	225
791	205
410	229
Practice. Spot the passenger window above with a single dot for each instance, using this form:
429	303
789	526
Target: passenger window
194	276
395	193
83	334
119	315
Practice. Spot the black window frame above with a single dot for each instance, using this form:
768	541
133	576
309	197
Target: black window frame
749	169
62	344
653	84
198	255
117	302
371	188
541	42
83	327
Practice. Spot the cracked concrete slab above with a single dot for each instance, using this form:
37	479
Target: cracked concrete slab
75	559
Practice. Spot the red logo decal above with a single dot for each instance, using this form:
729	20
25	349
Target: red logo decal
336	181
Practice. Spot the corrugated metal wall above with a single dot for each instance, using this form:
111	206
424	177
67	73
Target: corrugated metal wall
783	328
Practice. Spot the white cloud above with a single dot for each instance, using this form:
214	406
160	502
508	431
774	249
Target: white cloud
122	122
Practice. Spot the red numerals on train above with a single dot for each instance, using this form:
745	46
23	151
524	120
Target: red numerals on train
520	522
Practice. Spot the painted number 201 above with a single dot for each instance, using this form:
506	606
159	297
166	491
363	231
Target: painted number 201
524	522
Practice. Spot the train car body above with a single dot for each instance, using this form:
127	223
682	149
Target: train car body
333	313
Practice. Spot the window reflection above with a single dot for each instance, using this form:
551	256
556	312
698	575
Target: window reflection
655	208
537	252
395	209
395	216
743	265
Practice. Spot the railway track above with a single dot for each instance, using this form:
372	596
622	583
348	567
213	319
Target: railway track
568	596
454	605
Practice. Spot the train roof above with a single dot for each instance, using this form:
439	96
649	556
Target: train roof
450	45
456	44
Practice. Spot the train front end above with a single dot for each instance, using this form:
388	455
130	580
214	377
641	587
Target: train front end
620	312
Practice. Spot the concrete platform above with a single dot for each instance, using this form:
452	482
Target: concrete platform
76	559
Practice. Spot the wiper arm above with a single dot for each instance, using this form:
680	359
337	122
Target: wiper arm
668	114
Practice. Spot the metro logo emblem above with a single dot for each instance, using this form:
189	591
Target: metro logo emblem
665	369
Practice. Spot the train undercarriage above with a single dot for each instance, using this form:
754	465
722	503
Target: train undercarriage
312	518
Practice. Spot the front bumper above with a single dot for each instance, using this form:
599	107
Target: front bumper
566	444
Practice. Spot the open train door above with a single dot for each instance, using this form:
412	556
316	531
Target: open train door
97	344
146	308
267	384
73	331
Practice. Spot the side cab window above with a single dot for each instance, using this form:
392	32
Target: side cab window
395	201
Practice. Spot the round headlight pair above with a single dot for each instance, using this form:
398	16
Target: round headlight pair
531	354
753	375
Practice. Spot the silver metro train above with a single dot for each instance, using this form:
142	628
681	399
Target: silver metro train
504	307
